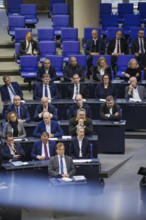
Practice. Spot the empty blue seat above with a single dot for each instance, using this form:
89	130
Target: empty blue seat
59	22
13	7
109	21
130	21
105	9
123	9
30	13
45	34
60	9
28	66
15	22
47	48
88	34
57	62
54	2
68	34
70	48
20	34
122	64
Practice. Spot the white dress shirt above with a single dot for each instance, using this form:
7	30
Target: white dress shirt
48	128
76	92
136	94
80	148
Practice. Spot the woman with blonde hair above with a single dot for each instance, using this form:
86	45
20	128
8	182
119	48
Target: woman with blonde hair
132	70
101	69
14	126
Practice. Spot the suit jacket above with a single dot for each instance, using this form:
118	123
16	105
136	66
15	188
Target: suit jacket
55	129
37	149
141	91
5	93
100	45
133	72
74	148
24	113
69	71
105	110
102	93
6	154
53	167
8	129
88	126
83	91
51	109
123	46
51	72
22	50
135	46
72	112
97	76
38	91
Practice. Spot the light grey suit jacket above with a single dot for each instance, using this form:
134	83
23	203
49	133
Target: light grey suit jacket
53	167
141	91
8	129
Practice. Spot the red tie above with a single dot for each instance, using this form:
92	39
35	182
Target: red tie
46	152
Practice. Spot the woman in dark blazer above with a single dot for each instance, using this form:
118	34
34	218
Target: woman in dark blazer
133	69
105	88
101	69
80	146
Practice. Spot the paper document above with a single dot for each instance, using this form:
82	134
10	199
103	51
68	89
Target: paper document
66	179
134	100
82	161
79	178
19	163
102	100
66	137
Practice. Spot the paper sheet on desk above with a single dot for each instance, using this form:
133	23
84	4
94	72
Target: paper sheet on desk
19	163
66	137
20	139
66	179
53	139
135	100
102	100
82	160
79	178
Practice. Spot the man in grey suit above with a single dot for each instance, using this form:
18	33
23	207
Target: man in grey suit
61	165
135	91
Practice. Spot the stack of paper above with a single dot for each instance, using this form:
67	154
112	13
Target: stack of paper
79	178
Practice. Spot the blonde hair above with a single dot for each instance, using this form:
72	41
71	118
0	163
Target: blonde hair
9	115
130	61
99	60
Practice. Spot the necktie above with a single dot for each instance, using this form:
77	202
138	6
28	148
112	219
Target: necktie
46	152
77	90
17	111
141	46
95	42
118	47
12	90
46	91
27	48
61	165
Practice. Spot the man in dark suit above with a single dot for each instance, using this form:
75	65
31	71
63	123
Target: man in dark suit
134	91
79	103
117	46
46	89
20	109
48	125
110	110
43	149
81	121
46	68
11	151
95	46
28	46
61	165
76	88
79	145
10	89
45	106
138	48
72	68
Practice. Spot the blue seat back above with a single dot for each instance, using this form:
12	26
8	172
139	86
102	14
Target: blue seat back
70	48
125	8
45	34
130	21
122	61
13	7
109	21
47	48
29	63
105	8
28	10
60	9
56	61
16	22
68	34
60	21
81	60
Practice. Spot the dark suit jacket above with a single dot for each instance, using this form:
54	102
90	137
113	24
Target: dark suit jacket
97	76
51	109
69	71
102	93
83	91
51	72
53	167
6	155
37	149
89	47
24	114
104	110
38	91
5	93
55	129
135	46
88	126
74	148
22	50
123	44
141	91
72	112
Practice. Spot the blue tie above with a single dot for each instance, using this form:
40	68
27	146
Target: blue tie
17	111
61	165
46	91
